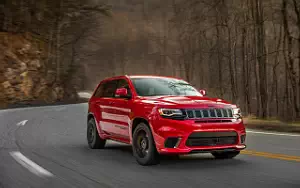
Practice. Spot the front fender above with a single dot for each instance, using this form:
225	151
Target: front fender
147	114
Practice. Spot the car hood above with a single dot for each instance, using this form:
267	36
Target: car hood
187	101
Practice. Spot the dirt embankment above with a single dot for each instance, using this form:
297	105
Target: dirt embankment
25	74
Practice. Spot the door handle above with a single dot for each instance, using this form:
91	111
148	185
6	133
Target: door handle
111	103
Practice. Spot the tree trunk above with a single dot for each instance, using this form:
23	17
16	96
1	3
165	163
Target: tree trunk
298	25
231	69
2	15
291	69
248	42
255	62
164	56
261	57
244	73
58	66
235	42
219	58
274	93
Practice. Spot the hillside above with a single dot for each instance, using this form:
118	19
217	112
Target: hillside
23	72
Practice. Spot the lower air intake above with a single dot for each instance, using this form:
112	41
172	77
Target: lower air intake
212	139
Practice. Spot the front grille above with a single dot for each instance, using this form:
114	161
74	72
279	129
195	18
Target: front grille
214	121
209	113
212	139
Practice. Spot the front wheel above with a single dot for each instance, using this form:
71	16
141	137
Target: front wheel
143	146
225	155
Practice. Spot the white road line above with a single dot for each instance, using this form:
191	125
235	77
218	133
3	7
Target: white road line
272	133
22	123
86	95
30	165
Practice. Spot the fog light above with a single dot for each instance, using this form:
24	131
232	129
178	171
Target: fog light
172	142
243	139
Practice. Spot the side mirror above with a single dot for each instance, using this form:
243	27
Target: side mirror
122	93
203	92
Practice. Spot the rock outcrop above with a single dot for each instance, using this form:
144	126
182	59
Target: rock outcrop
24	75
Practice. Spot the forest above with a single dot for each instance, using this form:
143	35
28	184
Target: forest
244	51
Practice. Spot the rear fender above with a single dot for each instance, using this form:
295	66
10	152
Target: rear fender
99	130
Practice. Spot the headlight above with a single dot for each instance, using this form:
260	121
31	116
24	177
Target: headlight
170	112
237	113
175	114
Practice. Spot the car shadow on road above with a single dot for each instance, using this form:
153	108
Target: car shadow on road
191	161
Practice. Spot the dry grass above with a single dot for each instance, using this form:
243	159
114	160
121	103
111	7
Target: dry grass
251	120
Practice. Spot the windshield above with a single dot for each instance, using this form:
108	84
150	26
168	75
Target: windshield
163	86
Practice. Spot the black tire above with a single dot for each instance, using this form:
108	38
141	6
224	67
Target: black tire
143	146
93	138
225	155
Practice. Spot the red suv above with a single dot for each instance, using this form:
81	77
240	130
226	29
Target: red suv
163	115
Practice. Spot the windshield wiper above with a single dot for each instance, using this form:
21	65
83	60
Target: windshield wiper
176	84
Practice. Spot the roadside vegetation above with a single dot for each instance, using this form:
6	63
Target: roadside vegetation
272	124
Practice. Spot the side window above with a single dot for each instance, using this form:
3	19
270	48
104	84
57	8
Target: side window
100	90
110	88
122	83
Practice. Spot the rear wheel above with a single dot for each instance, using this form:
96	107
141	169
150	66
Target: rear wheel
225	155
93	138
143	146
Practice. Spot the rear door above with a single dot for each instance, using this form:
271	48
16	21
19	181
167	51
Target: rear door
96	102
107	121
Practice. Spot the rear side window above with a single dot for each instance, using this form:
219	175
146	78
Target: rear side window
100	90
110	88
106	89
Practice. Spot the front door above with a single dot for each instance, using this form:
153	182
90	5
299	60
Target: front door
122	110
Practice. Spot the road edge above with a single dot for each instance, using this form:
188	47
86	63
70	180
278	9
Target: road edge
274	128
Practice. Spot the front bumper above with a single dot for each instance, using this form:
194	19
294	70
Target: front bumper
216	136
202	149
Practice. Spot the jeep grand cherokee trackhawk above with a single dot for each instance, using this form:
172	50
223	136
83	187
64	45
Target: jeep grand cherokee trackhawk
162	115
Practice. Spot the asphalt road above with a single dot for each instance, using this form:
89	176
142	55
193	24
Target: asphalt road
50	150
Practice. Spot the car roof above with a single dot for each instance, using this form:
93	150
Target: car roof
150	76
136	76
